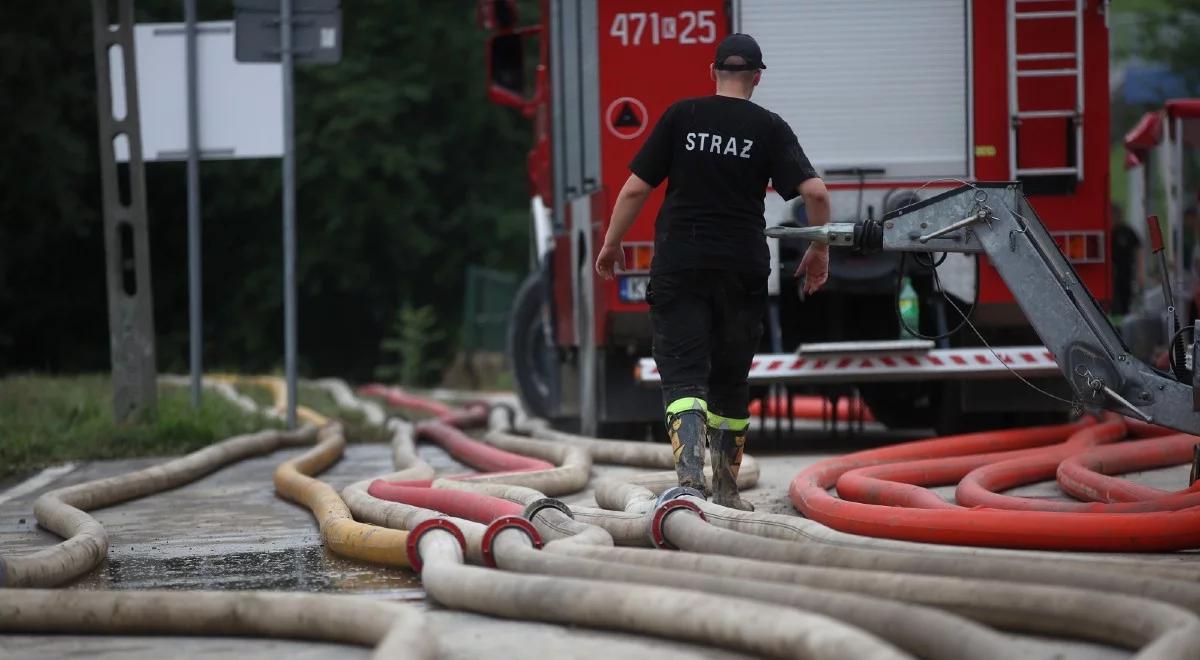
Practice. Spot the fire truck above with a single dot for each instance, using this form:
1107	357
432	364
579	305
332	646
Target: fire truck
894	102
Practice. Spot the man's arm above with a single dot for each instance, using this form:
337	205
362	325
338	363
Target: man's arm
814	267
629	204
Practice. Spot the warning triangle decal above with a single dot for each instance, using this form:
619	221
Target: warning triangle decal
627	118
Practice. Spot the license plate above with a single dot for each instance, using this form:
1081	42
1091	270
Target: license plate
633	288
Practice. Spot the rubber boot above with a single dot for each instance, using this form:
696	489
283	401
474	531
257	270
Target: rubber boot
727	447
686	430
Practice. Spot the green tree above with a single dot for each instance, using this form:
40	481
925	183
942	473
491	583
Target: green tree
406	174
406	357
1167	31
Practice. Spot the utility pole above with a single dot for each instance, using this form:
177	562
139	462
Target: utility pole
126	235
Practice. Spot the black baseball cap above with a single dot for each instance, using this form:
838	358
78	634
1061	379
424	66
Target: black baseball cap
739	45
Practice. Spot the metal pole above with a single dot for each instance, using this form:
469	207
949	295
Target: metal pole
195	333
289	212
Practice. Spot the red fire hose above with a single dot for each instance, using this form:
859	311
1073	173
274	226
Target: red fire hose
478	455
813	407
401	399
1086	475
942	460
460	504
446	431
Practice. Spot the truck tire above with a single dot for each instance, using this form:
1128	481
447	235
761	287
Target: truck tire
529	350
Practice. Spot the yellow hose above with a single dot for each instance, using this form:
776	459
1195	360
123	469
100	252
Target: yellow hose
279	391
294	481
340	532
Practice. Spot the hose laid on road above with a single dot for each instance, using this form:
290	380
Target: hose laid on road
800	530
1157	629
411	469
757	628
340	532
701	536
924	632
620	527
397	397
394	630
1036	570
1086	475
612	452
474	453
572	465
902	484
630	529
460	504
1125	532
981	486
62	510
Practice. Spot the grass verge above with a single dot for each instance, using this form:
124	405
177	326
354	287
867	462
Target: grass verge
51	419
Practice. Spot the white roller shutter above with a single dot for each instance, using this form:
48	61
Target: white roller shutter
868	83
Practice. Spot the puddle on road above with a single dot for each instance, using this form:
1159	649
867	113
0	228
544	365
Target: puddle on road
305	568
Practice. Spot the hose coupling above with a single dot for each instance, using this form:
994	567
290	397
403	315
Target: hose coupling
537	506
502	523
412	543
658	535
676	492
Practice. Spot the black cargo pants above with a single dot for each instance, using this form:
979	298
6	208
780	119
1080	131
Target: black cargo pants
707	325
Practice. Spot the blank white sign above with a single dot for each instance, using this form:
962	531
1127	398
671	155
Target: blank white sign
240	105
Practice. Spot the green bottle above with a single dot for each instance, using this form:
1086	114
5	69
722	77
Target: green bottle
909	309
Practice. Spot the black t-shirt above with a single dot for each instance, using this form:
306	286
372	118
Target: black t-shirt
717	153
1125	245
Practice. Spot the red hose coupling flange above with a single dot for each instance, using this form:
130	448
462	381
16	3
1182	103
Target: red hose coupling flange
657	535
507	522
414	537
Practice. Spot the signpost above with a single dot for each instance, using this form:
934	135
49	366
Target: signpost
310	34
224	106
195	309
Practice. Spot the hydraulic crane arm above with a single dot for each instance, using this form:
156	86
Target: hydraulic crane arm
997	220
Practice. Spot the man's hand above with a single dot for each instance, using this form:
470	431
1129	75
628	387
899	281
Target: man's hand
814	267
606	261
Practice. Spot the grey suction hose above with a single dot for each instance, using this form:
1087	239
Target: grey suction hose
796	528
394	630
1161	630
1026	569
765	630
923	632
689	532
62	510
620	527
571	474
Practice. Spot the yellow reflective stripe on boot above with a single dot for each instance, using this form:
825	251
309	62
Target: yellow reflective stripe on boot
685	404
733	424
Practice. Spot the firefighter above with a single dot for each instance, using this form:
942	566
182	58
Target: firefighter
708	280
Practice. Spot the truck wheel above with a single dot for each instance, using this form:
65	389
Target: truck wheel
529	350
